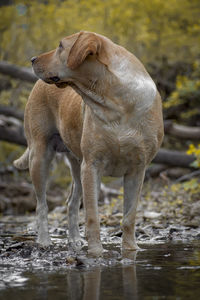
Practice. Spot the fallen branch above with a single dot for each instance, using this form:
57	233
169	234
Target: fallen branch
14	71
154	170
181	131
188	176
11	112
173	158
12	136
12	131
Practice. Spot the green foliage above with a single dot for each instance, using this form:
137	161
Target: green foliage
187	93
161	33
195	151
17	95
190	187
151	29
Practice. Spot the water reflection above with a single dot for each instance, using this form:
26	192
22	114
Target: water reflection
129	276
88	285
85	285
160	271
81	283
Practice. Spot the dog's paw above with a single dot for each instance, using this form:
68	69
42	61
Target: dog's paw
76	244
130	247
44	241
95	251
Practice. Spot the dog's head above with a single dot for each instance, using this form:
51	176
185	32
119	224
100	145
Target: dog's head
77	55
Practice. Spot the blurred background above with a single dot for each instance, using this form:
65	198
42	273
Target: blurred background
164	35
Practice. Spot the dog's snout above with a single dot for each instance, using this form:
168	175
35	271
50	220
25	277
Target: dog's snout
33	59
55	79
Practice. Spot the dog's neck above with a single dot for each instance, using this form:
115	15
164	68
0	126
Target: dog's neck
125	87
134	83
101	107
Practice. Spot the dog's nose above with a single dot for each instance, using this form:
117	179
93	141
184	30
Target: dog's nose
55	78
33	59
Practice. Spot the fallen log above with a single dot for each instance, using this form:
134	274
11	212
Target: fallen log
17	72
154	170
12	131
181	131
11	112
173	158
12	135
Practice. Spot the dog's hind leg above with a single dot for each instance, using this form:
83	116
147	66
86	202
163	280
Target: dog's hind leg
39	162
132	191
73	203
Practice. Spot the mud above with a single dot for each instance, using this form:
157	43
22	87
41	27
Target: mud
18	242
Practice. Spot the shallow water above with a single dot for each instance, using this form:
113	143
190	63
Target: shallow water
159	271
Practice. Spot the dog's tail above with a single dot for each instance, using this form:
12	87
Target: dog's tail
22	163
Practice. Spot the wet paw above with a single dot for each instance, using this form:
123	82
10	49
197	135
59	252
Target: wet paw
44	242
130	247
76	245
95	251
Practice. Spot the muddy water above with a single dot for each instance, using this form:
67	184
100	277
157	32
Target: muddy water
159	271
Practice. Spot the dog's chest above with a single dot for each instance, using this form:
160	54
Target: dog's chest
124	148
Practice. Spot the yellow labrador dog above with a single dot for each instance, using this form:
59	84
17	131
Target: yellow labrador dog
110	123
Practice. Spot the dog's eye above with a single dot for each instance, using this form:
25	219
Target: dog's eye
60	45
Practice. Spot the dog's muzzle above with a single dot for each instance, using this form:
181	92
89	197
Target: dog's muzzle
33	59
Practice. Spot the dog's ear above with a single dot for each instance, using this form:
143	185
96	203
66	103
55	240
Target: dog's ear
86	44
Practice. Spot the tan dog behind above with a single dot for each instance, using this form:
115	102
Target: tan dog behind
115	130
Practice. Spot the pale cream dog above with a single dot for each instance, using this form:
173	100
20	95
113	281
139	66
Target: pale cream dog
113	126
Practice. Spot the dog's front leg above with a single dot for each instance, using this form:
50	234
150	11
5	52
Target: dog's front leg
90	178
132	191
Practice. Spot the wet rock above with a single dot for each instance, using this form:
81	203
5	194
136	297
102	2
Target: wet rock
161	238
117	233
70	260
152	215
143	237
82	261
155	230
59	231
15	246
57	263
173	229
25	253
